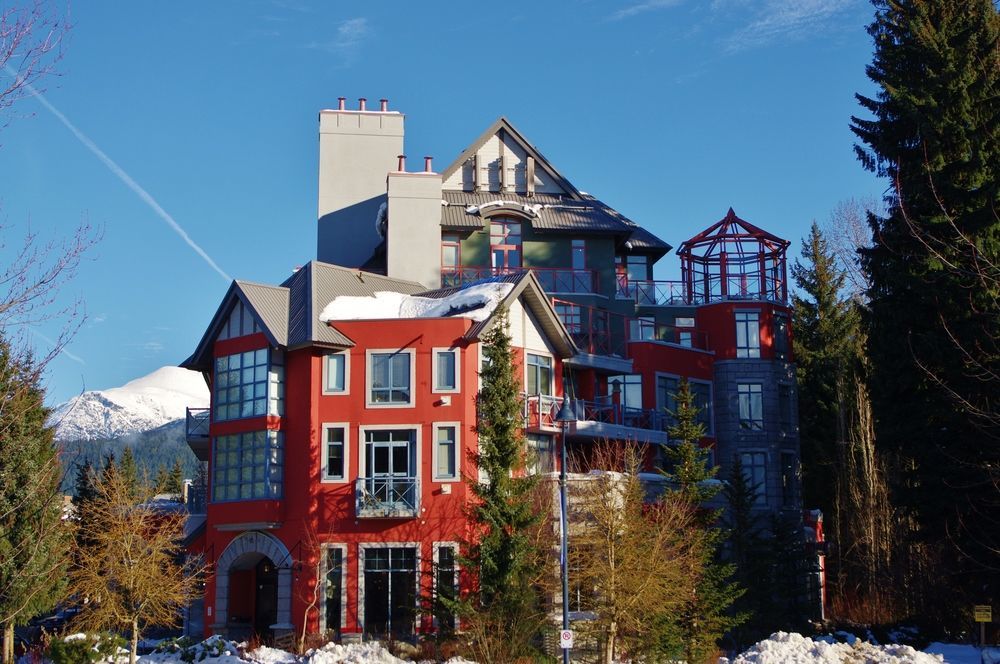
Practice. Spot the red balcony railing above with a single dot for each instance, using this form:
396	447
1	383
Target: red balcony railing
594	331
552	279
540	413
600	332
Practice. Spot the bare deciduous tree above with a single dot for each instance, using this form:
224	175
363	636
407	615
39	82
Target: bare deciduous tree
31	38
132	572
629	558
848	231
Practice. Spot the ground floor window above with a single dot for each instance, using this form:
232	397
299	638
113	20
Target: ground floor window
390	590
445	586
333	608
540	456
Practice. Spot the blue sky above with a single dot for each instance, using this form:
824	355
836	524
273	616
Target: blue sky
669	110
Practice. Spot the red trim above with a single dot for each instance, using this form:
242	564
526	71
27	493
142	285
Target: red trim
239	344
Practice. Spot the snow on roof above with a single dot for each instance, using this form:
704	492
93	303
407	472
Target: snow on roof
476	302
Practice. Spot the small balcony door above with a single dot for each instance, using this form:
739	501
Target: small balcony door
391	464
505	246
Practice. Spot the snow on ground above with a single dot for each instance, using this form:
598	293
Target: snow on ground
955	653
784	648
475	302
781	648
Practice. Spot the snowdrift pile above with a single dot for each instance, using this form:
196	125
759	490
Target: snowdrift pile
784	648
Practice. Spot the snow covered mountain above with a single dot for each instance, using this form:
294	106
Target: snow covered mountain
140	405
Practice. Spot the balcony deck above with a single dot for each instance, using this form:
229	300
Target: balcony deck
387	497
196	429
596	420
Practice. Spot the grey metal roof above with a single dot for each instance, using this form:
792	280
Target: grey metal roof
558	214
271	306
266	302
316	284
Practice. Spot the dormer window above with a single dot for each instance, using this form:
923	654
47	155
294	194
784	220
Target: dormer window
505	245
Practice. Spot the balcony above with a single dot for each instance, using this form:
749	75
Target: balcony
196	429
596	419
705	289
552	279
387	497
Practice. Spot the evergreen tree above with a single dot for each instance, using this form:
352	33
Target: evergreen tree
745	550
175	480
33	538
129	471
825	344
161	479
935	285
504	611
85	492
702	620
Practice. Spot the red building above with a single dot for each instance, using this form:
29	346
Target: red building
343	400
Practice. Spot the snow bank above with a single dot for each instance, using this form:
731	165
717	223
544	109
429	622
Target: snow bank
475	302
784	648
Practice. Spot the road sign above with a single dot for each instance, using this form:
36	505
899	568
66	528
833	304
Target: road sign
566	638
984	613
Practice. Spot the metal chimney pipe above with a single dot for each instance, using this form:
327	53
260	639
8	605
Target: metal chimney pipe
383	105
402	163
341	103
361	103
427	165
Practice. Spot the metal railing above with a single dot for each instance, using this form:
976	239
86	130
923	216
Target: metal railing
387	497
197	423
552	279
656	293
593	330
540	413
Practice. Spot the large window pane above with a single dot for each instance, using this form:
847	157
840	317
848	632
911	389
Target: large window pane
390	378
248	466
241	385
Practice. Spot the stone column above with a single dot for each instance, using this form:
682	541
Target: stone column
284	621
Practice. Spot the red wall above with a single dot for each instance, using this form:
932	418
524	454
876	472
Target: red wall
718	321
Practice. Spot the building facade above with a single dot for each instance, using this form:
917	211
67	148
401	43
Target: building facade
343	400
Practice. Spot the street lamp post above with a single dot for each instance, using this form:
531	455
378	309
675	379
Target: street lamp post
564	416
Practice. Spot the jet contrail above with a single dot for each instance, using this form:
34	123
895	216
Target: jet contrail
122	175
75	358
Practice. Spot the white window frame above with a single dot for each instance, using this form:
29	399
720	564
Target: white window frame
323	477
323	548
363	458
437	546
347	373
529	367
434	371
361	576
368	377
434	452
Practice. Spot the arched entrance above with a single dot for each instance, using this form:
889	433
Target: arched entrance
253	587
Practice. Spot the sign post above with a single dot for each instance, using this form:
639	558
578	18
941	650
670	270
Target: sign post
984	614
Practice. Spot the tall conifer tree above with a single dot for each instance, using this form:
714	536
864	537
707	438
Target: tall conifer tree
33	537
935	286
505	609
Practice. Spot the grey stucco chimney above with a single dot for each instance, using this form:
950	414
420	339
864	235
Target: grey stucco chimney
357	148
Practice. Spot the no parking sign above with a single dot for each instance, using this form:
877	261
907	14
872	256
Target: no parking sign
566	638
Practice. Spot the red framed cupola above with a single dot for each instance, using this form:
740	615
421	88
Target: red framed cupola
734	260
